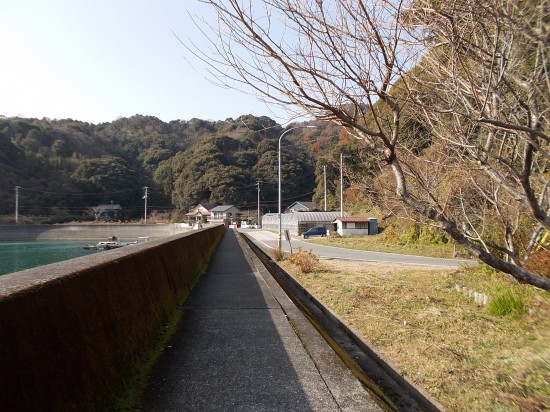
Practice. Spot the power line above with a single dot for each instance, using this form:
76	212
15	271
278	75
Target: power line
93	194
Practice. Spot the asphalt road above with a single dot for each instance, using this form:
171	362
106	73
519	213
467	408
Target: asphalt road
268	240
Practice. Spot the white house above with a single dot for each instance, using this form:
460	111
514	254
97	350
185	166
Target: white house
353	226
199	214
221	213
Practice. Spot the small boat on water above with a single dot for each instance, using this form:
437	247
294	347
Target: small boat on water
111	243
108	245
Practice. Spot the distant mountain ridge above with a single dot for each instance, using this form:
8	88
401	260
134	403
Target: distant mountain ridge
63	167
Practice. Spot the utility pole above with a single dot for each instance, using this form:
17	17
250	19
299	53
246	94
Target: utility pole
341	185
145	198
279	239
258	219
325	184
17	204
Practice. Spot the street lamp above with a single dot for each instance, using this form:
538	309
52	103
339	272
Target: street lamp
325	184
279	241
341	185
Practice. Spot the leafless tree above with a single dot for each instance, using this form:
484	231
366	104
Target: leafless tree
488	85
482	87
374	68
94	211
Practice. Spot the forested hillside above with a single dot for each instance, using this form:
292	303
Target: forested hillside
64	167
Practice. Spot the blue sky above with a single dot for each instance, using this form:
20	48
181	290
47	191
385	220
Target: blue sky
97	60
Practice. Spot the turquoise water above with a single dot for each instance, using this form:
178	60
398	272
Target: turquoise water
15	256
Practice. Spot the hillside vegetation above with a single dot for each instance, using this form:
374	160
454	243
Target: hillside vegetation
64	167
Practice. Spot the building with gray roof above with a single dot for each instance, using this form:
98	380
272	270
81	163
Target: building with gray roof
299	222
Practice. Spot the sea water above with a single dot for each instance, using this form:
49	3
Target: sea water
15	256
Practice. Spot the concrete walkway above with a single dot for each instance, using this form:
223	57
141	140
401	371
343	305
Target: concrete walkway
244	346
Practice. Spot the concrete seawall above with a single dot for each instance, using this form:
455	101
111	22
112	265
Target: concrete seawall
25	233
72	333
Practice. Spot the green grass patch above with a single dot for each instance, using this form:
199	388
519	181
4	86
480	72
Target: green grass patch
508	302
135	385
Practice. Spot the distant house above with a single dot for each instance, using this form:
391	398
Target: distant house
301	207
111	211
221	213
354	226
199	214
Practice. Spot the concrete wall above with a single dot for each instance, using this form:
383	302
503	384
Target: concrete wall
72	332
24	233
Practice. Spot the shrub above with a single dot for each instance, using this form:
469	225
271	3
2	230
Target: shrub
413	233
305	260
432	236
159	217
277	254
178	216
410	235
390	234
59	216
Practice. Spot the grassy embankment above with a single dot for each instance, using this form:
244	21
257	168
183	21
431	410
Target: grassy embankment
375	244
470	356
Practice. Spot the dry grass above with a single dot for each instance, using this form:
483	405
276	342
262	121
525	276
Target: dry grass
376	243
466	358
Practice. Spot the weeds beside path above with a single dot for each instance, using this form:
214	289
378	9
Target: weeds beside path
467	358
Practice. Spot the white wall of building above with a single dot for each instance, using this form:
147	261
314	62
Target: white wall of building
346	229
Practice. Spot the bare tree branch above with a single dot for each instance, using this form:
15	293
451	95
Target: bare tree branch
472	73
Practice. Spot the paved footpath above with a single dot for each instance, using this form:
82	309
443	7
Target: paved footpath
244	346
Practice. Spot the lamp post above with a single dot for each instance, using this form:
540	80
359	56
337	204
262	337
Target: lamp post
325	184
279	240
258	219
341	185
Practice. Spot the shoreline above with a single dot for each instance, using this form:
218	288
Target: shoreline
25	233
